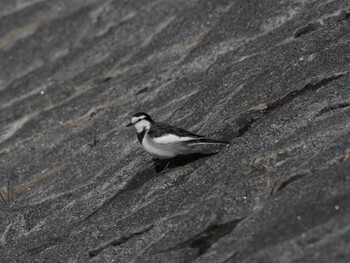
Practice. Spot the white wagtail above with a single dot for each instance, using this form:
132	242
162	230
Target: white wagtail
163	141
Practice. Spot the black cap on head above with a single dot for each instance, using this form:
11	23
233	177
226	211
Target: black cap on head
147	117
140	116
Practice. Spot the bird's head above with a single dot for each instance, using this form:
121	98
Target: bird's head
141	121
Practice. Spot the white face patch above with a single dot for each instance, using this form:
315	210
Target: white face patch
171	138
141	125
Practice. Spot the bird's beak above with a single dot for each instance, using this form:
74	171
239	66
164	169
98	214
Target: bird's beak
130	124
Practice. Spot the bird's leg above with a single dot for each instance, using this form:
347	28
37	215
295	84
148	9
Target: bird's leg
156	161
160	165
153	161
166	164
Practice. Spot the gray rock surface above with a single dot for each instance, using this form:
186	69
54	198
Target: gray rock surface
270	76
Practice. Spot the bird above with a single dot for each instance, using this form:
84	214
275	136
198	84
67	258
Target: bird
164	141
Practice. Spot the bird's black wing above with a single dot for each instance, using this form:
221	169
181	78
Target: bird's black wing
159	129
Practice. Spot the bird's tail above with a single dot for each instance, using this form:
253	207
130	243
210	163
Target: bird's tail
209	141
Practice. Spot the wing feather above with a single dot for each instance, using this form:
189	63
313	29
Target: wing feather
167	134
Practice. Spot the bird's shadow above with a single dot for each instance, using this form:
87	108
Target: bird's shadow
181	160
160	165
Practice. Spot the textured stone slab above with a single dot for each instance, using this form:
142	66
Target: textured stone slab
270	76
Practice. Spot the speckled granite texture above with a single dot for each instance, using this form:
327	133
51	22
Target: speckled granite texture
271	76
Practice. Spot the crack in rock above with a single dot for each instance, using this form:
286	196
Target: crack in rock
343	15
246	127
332	107
293	178
286	182
204	240
118	241
307	29
308	87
